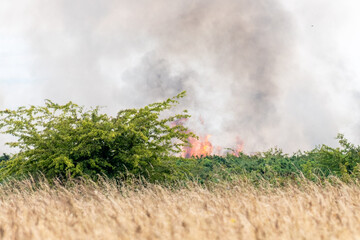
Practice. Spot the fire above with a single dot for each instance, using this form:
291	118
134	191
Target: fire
203	147
239	147
199	147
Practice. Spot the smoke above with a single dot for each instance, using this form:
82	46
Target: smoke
228	55
235	58
1	99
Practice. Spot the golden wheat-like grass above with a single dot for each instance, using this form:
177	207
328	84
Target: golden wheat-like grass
225	211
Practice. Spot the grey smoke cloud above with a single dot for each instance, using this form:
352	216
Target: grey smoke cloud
237	59
241	44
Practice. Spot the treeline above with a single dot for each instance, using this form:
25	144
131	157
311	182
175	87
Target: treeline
67	141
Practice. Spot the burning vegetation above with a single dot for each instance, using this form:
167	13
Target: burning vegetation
202	146
199	147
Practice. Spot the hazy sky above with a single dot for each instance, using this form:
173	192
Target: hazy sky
273	73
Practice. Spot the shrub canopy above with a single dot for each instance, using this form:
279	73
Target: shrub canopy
69	141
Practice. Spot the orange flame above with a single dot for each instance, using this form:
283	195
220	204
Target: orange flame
203	147
199	147
239	147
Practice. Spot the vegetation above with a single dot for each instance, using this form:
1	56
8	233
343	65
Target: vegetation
275	166
4	157
102	177
237	210
66	141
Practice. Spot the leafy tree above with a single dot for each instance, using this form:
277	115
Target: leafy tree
68	141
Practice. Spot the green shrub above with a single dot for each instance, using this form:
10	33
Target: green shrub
274	166
66	141
342	161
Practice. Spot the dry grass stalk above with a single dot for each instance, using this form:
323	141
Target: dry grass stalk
237	211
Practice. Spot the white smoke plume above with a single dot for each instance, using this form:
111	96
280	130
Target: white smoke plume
237	59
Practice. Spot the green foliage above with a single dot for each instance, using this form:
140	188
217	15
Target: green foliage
66	141
4	157
271	166
342	161
274	166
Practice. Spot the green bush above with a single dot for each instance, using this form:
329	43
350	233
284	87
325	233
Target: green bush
274	166
342	162
66	141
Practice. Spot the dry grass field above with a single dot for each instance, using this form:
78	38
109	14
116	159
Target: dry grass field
236	211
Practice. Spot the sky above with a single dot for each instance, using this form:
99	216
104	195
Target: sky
279	73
